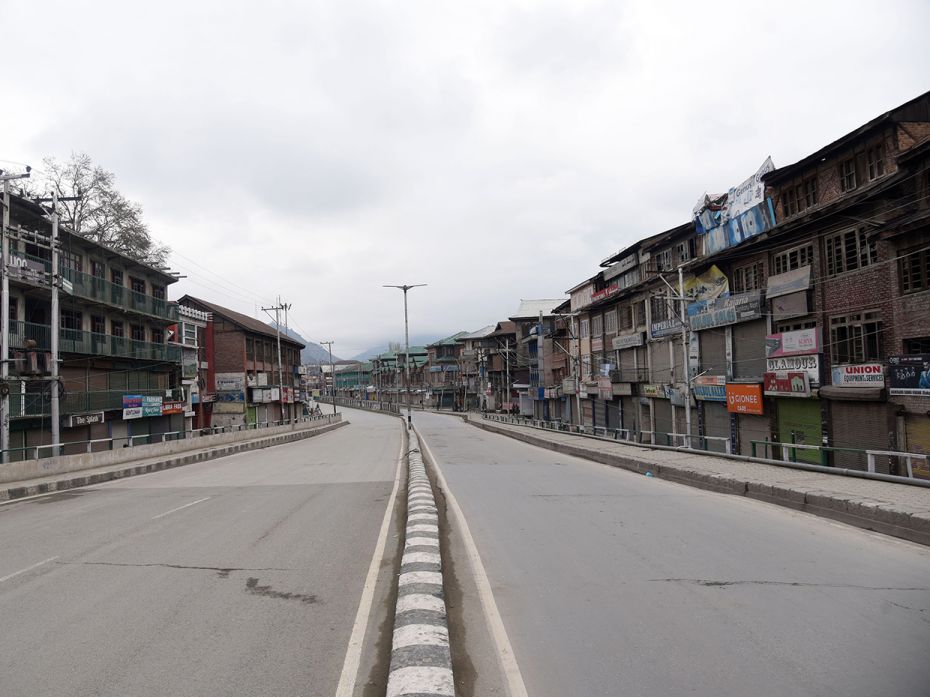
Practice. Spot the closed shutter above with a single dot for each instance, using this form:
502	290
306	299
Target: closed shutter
714	351
678	361
663	411
862	425
917	432
661	365
587	411
799	422
751	427
716	423
749	349
613	413
627	359
630	413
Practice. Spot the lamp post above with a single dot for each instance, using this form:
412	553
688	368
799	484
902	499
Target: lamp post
405	288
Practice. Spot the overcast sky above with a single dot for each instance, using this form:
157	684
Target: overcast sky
494	150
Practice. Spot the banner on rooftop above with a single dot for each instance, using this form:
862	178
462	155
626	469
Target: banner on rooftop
743	212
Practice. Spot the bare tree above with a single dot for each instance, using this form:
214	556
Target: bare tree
102	213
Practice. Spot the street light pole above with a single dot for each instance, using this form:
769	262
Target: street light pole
332	373
405	288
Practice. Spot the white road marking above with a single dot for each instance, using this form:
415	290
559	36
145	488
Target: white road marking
421	558
346	686
512	674
433	577
180	508
422	542
28	568
420	601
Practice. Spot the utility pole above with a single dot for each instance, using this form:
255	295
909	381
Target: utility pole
56	281
507	364
5	312
685	349
405	288
277	328
332	373
290	409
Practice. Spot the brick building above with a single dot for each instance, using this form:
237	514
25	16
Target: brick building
243	371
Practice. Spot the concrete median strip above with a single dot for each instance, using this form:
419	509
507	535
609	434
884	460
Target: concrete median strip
421	661
62	482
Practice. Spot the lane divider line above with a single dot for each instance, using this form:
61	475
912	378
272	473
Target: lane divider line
180	508
508	661
28	568
350	665
421	661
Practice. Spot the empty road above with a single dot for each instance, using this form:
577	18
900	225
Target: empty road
237	576
612	583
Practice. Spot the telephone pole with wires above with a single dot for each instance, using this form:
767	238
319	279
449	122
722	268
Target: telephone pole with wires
277	328
332	373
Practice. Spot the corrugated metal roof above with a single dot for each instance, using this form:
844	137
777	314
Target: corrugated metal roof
479	334
530	309
248	323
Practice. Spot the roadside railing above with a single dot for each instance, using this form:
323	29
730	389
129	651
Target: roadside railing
101	444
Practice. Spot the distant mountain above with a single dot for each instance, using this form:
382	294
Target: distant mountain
415	340
313	353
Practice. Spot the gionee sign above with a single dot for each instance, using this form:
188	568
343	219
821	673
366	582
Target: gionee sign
744	399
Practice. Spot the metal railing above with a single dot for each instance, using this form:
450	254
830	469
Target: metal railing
149	438
788	452
91	343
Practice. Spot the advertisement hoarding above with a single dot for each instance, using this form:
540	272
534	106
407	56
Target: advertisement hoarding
862	375
710	388
809	364
787	384
909	375
744	399
797	343
719	312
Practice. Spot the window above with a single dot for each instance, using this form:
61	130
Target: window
259	350
597	326
585	365
686	250
14	310
189	334
585	328
640	309
856	338
914	270
610	322
250	349
116	277
792	259
800	197
116	328
875	157
158	292
98	269
137	285
137	332
158	336
98	324
919	345
848	174
70	319
664	260
70	260
746	278
659	308
625	317
849	250
794	325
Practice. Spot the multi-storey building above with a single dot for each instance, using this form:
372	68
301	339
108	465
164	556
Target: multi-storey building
474	367
243	368
113	318
190	334
445	381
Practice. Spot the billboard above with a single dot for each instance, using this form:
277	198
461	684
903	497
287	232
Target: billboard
710	388
797	343
862	375
719	312
744	399
132	406
909	375
707	286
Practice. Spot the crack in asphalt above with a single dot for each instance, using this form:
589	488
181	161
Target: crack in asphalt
222	571
710	583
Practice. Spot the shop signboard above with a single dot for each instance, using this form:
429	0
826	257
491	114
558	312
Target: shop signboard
675	394
798	343
793	281
909	375
132	406
666	327
649	390
710	388
173	407
787	384
605	388
809	364
862	375
719	312
744	399
618	343
75	420
597	344
568	386
612	289
151	405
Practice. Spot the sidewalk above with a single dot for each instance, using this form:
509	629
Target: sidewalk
900	510
60	482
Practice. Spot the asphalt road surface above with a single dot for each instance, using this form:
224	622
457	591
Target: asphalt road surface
237	576
612	583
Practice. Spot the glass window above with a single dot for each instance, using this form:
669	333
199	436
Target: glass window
71	319
137	284
585	328
158	292
137	332
875	156
792	259
597	326
98	324
856	338
914	270
98	269
746	278
848	174
71	260
116	277
850	250
158	336
116	328
610	322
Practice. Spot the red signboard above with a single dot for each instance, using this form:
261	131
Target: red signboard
789	384
172	407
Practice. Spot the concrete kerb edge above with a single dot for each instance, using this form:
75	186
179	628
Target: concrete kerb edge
908	526
421	659
77	480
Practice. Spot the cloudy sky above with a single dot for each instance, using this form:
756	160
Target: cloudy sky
494	150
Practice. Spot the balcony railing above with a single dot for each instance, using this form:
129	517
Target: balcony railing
37	403
102	290
91	344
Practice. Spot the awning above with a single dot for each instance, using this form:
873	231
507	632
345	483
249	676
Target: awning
853	394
